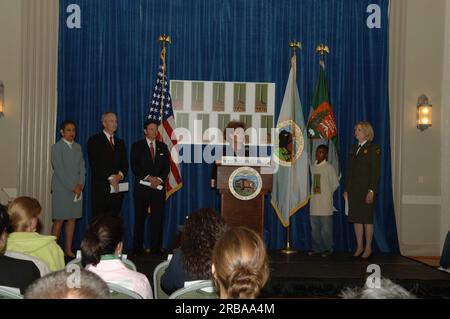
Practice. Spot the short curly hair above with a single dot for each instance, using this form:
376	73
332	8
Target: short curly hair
201	231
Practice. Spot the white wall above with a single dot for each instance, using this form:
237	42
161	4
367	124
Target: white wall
28	62
445	132
417	60
10	75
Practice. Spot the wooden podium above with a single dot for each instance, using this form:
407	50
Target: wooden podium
236	212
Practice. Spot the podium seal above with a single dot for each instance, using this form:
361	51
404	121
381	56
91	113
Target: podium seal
245	183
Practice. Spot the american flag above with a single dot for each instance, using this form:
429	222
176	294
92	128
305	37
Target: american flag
166	120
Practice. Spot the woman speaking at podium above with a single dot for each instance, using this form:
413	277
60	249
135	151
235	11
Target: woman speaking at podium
235	137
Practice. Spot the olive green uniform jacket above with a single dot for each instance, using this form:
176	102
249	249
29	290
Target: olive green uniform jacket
363	173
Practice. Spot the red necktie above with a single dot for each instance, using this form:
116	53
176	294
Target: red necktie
111	142
152	151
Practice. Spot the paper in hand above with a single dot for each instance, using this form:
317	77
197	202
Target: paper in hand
78	198
123	187
148	184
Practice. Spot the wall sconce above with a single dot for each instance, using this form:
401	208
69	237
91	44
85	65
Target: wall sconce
2	99
424	112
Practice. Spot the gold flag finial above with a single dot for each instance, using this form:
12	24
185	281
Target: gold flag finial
164	38
322	49
294	45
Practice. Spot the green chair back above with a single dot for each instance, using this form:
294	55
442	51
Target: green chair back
157	273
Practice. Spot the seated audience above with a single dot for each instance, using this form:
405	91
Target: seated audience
387	290
41	266
65	284
240	265
101	251
23	214
14	273
192	261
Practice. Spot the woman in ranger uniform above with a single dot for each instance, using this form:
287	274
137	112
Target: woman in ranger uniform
361	185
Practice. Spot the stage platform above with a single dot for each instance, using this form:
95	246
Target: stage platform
302	276
299	275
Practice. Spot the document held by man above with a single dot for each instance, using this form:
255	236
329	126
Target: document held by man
123	187
148	184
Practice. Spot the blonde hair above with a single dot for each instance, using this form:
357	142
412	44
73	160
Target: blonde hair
20	219
367	129
241	264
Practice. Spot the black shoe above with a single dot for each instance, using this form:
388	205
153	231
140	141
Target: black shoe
366	258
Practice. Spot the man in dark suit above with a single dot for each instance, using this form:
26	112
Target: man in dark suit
108	158
150	166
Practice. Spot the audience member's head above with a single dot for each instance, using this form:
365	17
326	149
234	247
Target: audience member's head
387	290
65	284
103	237
4	225
240	265
24	214
201	231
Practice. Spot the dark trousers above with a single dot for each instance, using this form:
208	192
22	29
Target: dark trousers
143	198
105	203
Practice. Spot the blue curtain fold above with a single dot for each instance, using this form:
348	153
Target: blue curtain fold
111	64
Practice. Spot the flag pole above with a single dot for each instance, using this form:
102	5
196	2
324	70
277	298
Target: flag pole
163	39
294	45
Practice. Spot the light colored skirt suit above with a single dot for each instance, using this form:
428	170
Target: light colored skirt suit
68	171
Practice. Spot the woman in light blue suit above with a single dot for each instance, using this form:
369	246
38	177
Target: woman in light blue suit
67	184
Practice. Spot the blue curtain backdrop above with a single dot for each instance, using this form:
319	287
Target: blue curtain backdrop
110	63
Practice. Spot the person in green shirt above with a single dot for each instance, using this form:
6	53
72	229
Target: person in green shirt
23	213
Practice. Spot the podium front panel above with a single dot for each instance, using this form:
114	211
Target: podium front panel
249	213
239	212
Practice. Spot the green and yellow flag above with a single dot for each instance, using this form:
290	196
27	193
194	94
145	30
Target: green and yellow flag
321	126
